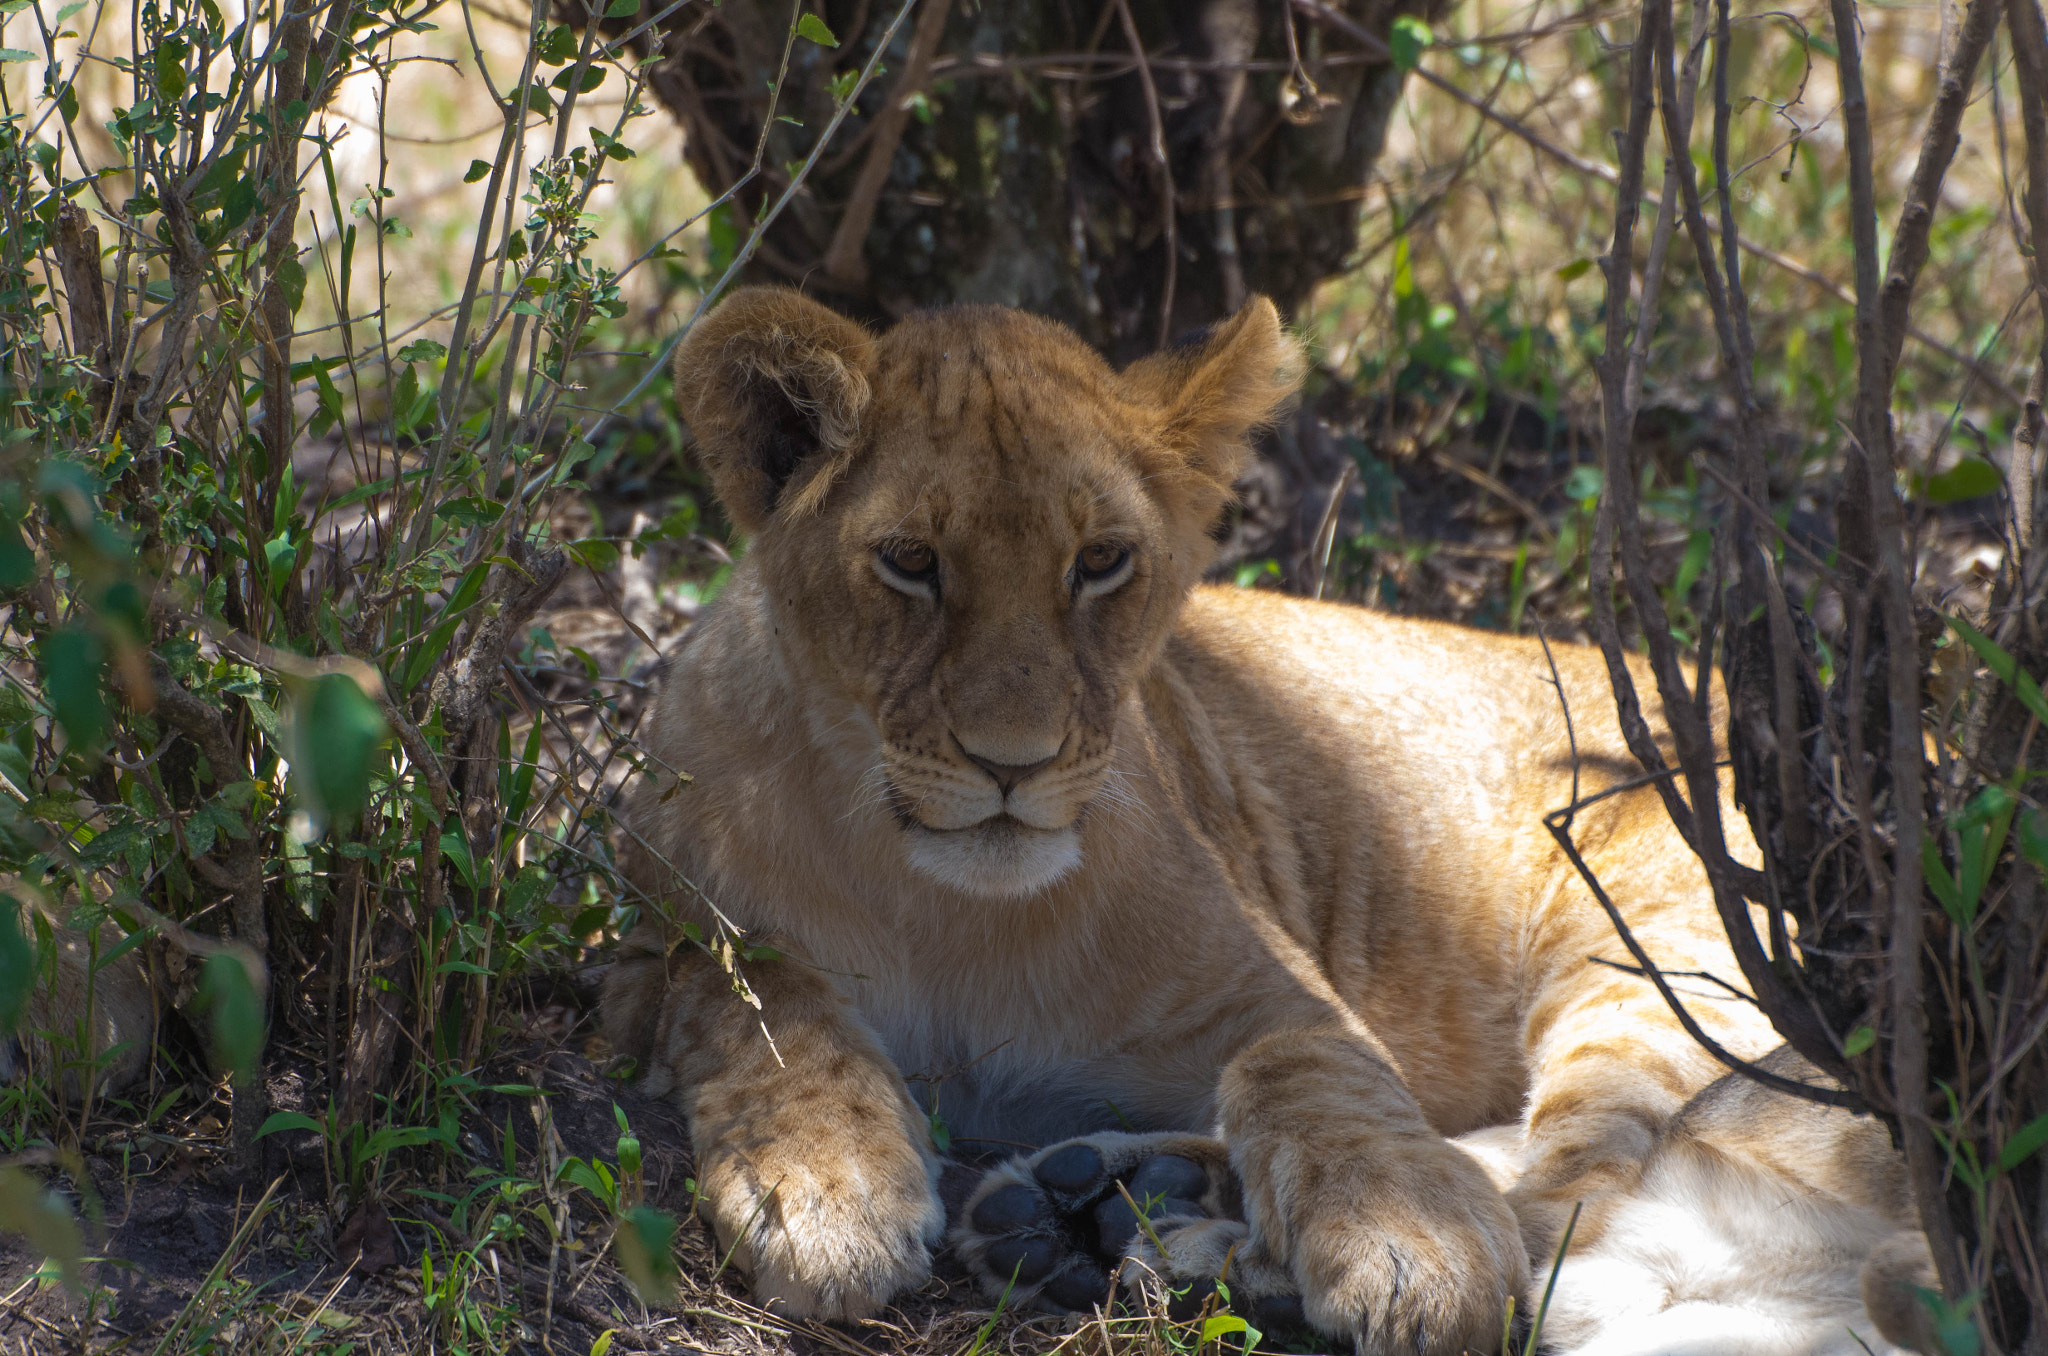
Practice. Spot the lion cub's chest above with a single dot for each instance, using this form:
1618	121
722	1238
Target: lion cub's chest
1010	1046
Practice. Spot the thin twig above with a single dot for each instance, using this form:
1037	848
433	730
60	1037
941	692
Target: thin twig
1376	47
1168	199
845	258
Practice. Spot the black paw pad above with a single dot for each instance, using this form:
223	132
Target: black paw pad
1082	1286
1008	1210
1168	1175
1063	1231
1026	1260
1072	1170
1116	1224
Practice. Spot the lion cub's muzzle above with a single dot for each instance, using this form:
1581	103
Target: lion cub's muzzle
989	827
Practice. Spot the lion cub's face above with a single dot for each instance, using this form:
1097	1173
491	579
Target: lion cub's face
979	534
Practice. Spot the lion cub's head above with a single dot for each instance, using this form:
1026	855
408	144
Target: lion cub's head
976	532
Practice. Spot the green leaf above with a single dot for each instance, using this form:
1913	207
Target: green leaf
812	27
422	351
404	394
169	61
281	556
2023	1144
1216	1325
594	552
17	561
1584	483
2034	838
645	1243
2005	667
1970	478
1409	37
574	455
622	9
1952	1326
1577	268
1961	912
558	46
1858	1041
73	662
470	510
290	1120
291	276
593	76
455	847
37	1214
242	200
336	732
478	169
228	990
13	54
17	964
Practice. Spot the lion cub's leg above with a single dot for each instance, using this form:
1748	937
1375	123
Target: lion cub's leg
1347	1208
1610	1066
816	1169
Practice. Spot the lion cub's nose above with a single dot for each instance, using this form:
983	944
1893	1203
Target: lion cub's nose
1007	775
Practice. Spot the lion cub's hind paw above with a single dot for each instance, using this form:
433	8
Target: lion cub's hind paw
1053	1228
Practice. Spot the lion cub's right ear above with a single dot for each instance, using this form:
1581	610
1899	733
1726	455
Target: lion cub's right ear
773	385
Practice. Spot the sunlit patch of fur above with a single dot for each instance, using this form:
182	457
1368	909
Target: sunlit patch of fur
1713	1256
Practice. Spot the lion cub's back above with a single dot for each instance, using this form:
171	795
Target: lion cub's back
1440	708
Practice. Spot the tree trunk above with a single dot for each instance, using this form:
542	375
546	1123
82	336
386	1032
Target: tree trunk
1010	152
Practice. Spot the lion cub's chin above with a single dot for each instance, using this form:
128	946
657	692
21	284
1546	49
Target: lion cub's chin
999	858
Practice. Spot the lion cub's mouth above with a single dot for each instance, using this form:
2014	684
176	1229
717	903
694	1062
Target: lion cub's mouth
1000	858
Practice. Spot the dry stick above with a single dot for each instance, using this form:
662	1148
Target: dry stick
2030	64
288	112
1923	192
748	247
845	259
1618	409
1619	526
1233	36
1797	1021
1871	468
1559	822
1167	196
1378	49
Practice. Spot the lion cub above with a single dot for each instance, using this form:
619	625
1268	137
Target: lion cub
1237	905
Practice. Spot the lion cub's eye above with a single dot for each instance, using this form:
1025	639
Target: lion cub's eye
1102	566
907	565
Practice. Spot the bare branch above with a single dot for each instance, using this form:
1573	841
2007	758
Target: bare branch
2030	63
845	262
1168	199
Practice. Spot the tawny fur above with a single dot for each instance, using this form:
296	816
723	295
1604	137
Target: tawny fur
1070	856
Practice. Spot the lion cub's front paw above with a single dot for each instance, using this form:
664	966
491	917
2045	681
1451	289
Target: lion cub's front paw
828	1226
1405	1248
1054	1227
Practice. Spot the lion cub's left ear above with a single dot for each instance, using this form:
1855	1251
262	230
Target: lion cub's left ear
1216	387
774	386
